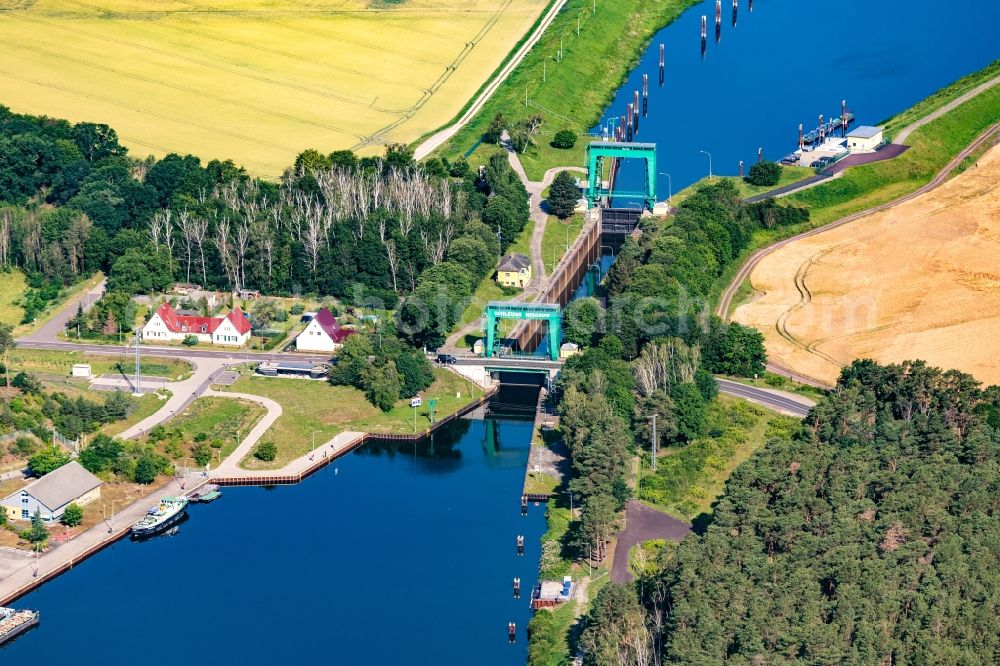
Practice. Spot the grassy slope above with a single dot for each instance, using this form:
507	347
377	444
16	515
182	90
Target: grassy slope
931	147
558	234
706	484
60	363
578	88
12	287
314	406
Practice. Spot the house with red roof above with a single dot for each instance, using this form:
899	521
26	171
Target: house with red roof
167	326
323	334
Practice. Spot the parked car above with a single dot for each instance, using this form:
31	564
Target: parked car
446	359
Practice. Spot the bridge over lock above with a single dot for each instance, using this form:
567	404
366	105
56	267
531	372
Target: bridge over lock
604	231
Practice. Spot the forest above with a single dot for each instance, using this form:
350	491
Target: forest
867	536
366	230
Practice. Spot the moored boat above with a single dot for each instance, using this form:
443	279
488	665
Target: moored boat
206	493
13	623
168	512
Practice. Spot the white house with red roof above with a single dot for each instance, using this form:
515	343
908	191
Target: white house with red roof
323	334
167	326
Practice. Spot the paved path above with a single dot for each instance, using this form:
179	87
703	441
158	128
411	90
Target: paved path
183	393
58	556
893	150
726	299
780	401
331	449
934	115
51	329
436	140
642	524
229	466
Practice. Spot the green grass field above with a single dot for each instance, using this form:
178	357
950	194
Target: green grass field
573	91
558	237
12	287
858	188
255	80
60	363
316	407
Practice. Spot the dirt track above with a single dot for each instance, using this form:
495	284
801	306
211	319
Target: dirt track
918	280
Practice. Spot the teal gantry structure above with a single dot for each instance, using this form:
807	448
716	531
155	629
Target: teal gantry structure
548	312
598	151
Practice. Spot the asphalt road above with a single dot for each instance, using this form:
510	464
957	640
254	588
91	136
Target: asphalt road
798	406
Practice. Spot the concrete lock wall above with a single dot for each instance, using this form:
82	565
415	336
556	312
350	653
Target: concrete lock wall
568	275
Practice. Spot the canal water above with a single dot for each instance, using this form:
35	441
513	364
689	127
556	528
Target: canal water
787	62
395	554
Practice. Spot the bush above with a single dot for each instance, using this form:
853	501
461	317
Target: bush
190	340
48	460
148	467
564	139
296	309
72	516
764	173
267	452
202	454
24	447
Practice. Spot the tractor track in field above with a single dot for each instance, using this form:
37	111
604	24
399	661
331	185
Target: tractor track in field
725	300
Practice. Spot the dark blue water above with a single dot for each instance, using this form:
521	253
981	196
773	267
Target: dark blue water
392	555
787	62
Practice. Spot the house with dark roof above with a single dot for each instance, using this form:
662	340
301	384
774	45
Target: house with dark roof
514	270
51	494
323	334
166	325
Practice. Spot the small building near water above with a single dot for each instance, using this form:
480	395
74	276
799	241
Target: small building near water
864	139
51	494
514	271
549	593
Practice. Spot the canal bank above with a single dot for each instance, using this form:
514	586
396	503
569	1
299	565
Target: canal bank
401	551
785	63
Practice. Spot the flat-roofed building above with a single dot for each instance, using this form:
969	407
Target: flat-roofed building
864	139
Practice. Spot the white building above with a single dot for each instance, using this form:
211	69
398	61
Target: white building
51	494
864	139
323	334
167	326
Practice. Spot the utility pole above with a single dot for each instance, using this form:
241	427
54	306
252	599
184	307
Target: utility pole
654	440
138	374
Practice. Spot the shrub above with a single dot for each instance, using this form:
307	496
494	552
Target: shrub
564	139
202	454
24	447
764	173
190	340
267	452
296	309
201	437
73	515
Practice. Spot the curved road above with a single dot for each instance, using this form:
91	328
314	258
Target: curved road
435	140
726	299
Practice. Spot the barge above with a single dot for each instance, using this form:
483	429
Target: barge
13	623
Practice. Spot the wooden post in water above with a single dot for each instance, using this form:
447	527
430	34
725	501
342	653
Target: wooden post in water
821	128
635	110
718	20
517	588
736	7
628	123
843	117
645	95
520	545
801	140
741	168
704	28
662	64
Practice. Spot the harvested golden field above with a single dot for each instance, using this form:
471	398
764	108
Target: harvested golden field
256	81
920	280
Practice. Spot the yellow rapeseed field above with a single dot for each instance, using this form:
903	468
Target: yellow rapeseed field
256	81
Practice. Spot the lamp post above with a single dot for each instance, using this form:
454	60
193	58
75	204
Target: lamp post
709	162
670	187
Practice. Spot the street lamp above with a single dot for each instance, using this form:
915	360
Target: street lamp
709	162
670	187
